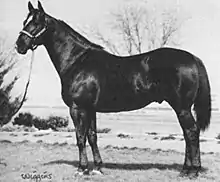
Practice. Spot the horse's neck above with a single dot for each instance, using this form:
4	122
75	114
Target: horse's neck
62	48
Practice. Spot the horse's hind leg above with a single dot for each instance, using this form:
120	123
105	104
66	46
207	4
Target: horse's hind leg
92	138
81	122
191	132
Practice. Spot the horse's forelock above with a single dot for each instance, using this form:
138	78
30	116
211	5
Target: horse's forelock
28	19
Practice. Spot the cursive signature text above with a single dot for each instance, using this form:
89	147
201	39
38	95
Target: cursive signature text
37	177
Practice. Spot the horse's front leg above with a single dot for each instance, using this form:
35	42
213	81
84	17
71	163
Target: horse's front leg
92	138
81	121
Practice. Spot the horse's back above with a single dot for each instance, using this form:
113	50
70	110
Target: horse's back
170	57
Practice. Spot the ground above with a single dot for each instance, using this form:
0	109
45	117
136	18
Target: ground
135	148
57	159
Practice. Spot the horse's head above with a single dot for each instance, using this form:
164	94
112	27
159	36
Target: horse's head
34	28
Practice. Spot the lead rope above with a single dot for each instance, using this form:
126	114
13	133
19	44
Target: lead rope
26	87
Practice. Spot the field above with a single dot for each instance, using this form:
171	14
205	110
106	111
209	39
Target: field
133	150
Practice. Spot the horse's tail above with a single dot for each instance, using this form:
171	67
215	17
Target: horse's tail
202	105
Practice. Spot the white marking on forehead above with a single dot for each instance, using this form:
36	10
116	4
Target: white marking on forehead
29	19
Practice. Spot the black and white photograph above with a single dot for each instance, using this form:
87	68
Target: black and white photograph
109	90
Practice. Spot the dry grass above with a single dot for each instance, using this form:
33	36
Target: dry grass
120	164
103	130
170	137
121	135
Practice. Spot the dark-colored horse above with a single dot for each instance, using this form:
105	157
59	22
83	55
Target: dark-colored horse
94	80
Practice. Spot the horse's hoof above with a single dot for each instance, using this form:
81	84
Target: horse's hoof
190	173
183	173
193	174
81	173
96	172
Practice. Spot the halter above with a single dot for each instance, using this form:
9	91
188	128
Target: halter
33	37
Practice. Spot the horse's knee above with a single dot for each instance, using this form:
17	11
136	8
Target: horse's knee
189	125
186	119
184	114
81	141
92	137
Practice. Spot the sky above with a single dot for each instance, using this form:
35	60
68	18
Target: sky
199	35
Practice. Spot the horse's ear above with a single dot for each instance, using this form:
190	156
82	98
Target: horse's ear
30	6
40	7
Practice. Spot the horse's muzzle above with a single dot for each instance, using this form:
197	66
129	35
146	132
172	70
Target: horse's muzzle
19	49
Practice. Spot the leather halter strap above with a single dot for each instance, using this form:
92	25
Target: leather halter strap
33	37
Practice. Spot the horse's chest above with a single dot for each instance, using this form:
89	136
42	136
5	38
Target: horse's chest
82	89
66	96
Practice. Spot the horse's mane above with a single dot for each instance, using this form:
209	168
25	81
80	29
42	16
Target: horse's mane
79	37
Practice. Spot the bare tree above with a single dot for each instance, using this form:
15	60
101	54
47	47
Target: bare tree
138	29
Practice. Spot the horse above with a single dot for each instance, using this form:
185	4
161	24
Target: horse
94	80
